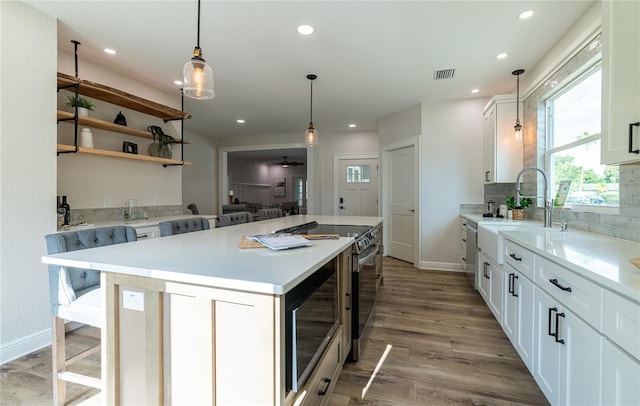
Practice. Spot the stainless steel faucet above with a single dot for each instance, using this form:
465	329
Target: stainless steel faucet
548	204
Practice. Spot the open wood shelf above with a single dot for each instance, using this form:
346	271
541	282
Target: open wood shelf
122	155
120	98
105	125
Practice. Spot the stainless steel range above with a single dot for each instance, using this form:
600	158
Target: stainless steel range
366	270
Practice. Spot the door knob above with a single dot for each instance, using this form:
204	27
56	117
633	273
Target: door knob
341	207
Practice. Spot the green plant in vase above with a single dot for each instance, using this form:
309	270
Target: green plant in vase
518	211
162	144
81	103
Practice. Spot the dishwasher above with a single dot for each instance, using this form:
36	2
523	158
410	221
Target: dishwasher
472	253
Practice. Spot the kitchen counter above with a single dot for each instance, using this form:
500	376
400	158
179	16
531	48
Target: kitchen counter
603	260
147	222
212	257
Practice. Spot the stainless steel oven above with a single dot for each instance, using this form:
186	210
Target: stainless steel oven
472	253
311	319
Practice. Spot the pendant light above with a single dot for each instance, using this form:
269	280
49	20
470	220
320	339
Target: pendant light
311	135
198	76
518	128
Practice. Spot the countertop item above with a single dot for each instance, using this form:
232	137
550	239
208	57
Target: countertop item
213	258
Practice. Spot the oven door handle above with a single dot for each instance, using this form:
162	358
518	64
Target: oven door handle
368	258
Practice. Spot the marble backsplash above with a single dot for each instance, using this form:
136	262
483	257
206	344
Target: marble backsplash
116	213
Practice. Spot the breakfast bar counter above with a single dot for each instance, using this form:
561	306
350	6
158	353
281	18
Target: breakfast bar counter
195	319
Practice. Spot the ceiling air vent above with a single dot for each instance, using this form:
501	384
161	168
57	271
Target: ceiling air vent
443	74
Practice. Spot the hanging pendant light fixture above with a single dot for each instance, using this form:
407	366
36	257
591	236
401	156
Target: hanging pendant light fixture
311	135
198	76
518	128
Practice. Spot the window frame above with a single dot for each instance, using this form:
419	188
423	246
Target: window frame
549	150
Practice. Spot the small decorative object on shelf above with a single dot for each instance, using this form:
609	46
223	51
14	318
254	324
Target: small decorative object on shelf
84	105
129	147
162	144
67	211
120	119
86	138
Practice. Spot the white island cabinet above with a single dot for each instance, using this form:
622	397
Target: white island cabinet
620	82
194	319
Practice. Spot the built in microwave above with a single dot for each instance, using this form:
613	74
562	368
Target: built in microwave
311	319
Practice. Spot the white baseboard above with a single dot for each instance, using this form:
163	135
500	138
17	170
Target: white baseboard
442	266
25	345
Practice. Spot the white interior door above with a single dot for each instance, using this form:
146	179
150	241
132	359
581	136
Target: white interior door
401	204
358	193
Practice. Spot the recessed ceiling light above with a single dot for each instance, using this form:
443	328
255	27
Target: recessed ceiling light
305	29
352	126
178	82
502	55
110	51
475	90
240	121
525	14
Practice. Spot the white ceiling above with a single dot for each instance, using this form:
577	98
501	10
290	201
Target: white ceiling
372	58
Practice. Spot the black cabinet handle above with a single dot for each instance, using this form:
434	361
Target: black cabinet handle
513	288
464	240
486	270
143	236
551	310
487	176
349	301
631	150
559	286
558	315
511	275
323	392
515	257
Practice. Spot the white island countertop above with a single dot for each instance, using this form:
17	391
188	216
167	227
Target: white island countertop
213	257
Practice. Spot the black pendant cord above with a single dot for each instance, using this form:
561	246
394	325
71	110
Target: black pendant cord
198	36
311	105
518	98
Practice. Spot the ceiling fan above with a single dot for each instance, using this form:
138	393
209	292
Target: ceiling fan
284	163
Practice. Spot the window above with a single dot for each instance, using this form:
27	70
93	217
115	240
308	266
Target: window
358	173
300	190
573	144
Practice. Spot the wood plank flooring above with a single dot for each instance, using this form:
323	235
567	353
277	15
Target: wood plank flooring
446	349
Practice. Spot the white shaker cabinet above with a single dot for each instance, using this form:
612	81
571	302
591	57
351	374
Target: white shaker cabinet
568	355
491	285
502	150
620	82
620	377
519	314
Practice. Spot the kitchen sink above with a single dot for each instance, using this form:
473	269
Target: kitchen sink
491	242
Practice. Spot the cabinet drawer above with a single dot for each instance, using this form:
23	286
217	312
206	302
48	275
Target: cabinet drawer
324	377
573	291
622	323
519	258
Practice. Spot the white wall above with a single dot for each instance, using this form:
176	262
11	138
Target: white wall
88	180
200	182
27	173
403	124
451	174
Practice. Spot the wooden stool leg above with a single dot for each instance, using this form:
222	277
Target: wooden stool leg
59	360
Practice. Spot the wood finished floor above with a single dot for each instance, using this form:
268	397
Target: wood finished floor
446	349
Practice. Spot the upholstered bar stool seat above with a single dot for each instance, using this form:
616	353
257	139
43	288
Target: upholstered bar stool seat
182	226
75	295
266	214
232	219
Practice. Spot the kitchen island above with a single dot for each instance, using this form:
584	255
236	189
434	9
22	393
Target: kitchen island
194	319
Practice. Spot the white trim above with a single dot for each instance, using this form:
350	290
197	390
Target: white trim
25	345
336	176
386	192
441	266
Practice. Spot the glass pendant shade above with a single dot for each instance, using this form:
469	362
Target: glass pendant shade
198	78
311	136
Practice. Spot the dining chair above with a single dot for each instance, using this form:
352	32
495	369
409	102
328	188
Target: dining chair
75	295
183	226
232	219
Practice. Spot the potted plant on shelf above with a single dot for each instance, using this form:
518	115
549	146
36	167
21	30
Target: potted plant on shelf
84	105
518	211
161	147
